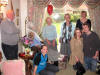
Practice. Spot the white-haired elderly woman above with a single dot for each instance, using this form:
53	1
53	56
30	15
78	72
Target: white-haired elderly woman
49	35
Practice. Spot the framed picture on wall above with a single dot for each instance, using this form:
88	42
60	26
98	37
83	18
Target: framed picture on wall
1	17
17	12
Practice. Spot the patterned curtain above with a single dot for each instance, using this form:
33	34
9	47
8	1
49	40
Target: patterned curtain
75	3
59	3
92	3
36	10
38	13
41	3
38	16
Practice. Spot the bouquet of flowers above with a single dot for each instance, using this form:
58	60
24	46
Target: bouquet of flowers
26	41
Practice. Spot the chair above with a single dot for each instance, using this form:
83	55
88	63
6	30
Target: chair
13	67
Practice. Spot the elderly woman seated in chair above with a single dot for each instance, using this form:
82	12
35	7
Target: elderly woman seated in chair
36	41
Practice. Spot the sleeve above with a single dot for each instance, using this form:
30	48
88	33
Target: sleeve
36	35
55	33
37	59
61	30
16	30
97	41
38	40
47	59
72	45
89	21
77	24
3	27
44	33
73	29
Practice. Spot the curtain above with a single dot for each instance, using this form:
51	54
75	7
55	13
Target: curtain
59	3
38	13
75	3
92	3
36	9
38	18
41	3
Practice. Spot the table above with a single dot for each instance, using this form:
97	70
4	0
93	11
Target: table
28	64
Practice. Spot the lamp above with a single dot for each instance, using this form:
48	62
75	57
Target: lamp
3	3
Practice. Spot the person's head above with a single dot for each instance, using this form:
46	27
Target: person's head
10	15
44	49
86	27
31	35
77	33
0	56
83	14
49	20
67	17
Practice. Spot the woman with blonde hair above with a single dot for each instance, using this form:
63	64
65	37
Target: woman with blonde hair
83	20
76	45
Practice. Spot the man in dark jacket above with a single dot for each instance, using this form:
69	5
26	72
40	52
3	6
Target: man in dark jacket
91	47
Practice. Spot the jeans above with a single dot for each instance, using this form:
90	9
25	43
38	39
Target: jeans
49	70
90	64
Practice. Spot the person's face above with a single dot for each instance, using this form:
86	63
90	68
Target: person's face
78	33
44	50
31	35
11	16
49	21
67	18
86	28
83	15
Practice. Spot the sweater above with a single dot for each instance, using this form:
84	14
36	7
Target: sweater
9	32
91	43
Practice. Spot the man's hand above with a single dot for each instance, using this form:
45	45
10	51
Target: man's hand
96	55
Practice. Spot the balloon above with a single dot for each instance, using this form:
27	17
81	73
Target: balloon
50	9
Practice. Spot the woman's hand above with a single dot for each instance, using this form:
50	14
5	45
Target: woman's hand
59	40
53	43
48	42
76	58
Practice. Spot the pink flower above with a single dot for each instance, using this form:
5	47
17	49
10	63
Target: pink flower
26	42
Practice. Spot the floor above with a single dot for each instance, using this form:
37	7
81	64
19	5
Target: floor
70	71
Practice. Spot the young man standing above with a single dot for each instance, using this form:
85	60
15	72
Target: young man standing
91	47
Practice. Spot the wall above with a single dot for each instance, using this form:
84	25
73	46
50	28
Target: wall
95	18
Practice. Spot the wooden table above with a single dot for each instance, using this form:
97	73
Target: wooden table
28	64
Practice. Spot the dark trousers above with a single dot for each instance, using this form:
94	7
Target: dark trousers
10	51
49	70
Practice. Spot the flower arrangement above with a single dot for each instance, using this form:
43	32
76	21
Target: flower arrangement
26	41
